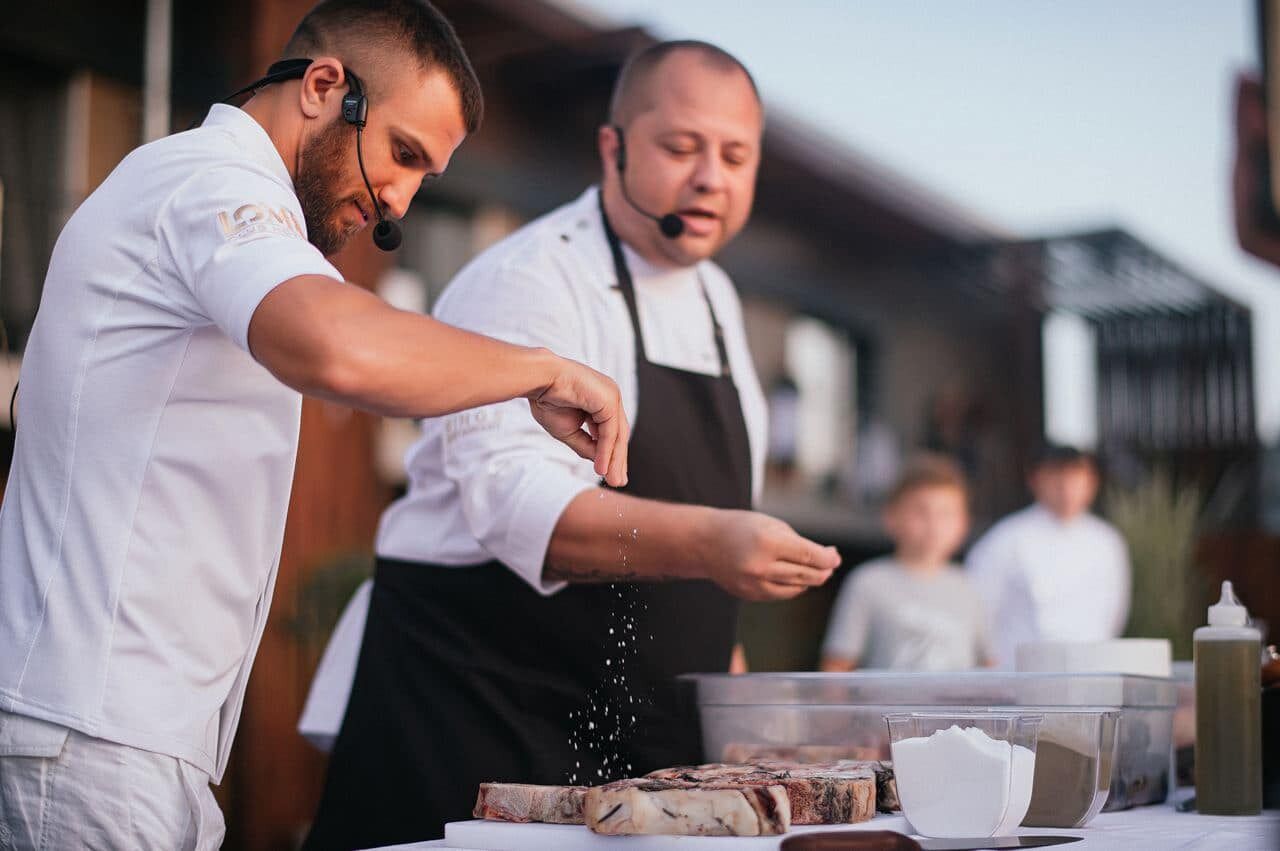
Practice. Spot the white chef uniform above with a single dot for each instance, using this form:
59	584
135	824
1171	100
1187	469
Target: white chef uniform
142	524
489	483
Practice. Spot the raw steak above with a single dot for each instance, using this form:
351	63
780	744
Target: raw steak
523	802
830	793
687	809
886	788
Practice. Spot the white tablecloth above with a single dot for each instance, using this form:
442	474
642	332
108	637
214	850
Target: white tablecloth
1158	828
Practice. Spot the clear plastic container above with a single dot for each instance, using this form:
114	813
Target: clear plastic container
964	774
813	717
1075	759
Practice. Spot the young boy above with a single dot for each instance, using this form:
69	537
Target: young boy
913	610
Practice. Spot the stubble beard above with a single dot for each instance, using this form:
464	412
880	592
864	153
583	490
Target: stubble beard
320	168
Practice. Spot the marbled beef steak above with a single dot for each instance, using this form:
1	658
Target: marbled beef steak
687	809
824	793
523	802
841	792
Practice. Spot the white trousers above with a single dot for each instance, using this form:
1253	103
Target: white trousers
60	789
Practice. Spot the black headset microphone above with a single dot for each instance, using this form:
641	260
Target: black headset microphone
355	108
671	225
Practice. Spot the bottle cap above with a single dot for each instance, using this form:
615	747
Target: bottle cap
1228	611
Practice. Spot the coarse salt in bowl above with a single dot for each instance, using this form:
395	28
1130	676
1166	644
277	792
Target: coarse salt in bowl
964	774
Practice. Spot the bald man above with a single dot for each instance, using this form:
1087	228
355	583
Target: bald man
527	623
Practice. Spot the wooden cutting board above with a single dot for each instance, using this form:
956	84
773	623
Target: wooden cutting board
505	836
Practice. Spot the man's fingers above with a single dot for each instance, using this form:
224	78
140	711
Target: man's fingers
580	442
606	436
801	550
611	432
617	475
790	573
777	591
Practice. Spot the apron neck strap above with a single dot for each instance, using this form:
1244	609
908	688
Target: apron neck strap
627	285
624	277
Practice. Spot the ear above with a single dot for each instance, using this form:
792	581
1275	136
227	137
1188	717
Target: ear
607	144
322	87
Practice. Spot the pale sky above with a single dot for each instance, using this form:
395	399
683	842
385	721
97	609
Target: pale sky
1041	117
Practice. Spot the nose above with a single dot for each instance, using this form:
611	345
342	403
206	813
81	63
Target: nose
396	196
709	174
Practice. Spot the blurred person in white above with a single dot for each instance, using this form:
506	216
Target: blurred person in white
913	610
187	307
1053	571
518	607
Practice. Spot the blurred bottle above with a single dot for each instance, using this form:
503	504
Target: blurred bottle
1228	711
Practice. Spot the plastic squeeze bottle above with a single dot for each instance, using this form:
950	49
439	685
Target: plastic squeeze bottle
1228	711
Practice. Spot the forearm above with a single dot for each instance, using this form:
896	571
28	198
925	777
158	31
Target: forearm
606	536
415	366
341	343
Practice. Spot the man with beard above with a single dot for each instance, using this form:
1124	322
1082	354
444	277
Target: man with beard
187	305
527	624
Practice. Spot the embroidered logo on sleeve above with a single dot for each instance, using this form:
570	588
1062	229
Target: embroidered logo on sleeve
252	220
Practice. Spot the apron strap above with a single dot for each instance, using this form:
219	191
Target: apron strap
624	278
627	286
721	351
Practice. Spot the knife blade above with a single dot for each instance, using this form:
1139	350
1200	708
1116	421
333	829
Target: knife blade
886	840
994	842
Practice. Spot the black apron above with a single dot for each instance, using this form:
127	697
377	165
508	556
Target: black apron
468	675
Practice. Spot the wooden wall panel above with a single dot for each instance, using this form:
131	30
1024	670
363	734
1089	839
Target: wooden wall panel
1251	560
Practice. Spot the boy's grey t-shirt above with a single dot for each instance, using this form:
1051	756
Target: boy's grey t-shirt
889	617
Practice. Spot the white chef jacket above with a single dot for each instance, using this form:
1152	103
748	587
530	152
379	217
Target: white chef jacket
490	483
1043	579
142	524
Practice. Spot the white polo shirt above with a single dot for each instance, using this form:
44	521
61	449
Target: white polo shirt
142	523
490	483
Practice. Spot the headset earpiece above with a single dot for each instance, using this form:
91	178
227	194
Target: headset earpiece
621	157
355	106
671	225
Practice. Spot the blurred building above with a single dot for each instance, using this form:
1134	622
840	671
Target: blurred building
894	318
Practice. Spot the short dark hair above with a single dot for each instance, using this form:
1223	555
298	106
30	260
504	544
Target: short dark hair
929	470
636	70
1054	456
357	30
